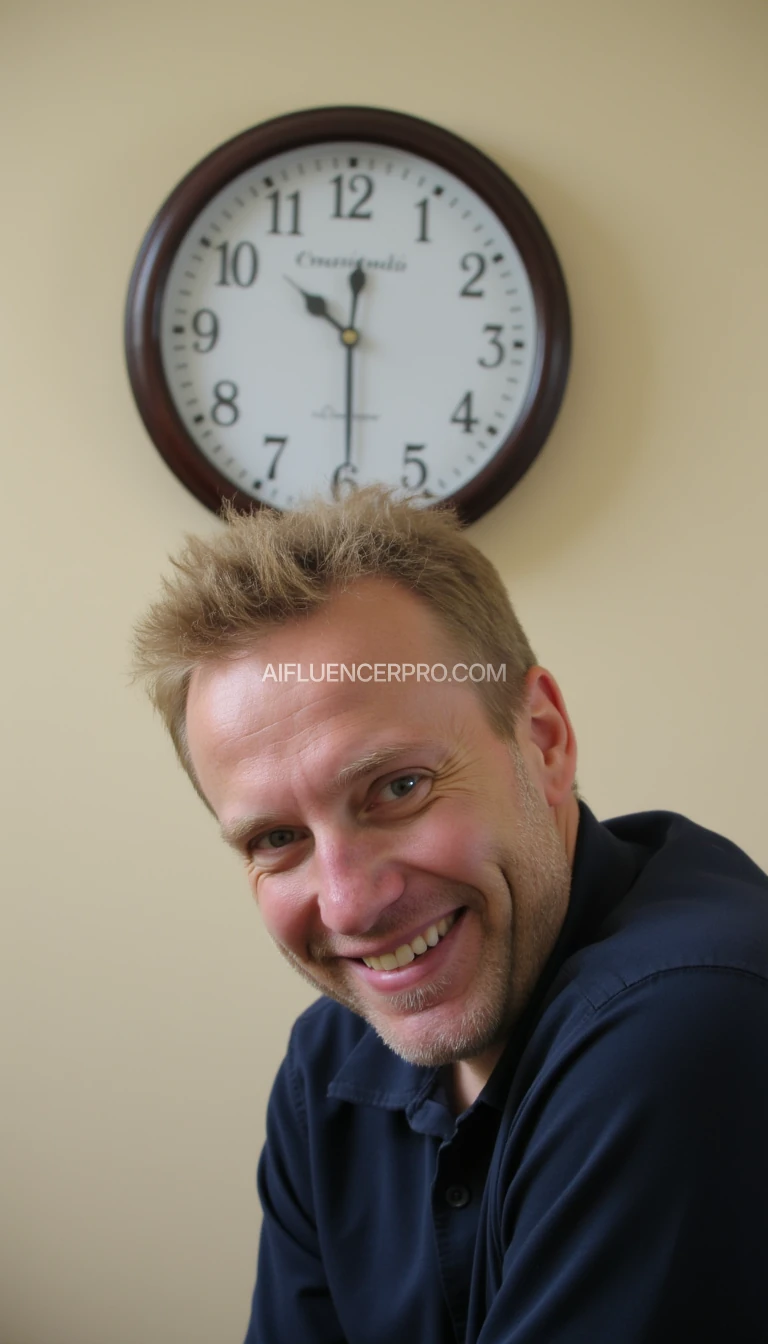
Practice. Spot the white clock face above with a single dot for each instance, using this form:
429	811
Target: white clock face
345	314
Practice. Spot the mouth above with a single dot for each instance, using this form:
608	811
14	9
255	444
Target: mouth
419	946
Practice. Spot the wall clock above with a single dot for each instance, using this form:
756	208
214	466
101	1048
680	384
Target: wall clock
341	296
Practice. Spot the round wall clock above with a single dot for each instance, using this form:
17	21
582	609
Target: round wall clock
344	296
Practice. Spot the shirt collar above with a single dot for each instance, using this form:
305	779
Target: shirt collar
604	869
374	1075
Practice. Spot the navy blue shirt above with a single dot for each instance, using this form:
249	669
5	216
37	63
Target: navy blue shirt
610	1183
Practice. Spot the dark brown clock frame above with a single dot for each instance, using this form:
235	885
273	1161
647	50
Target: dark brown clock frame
228	161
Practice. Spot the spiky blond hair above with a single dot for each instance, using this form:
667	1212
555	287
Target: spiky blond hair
266	568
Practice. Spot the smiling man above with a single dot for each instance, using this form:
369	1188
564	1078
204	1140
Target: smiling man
531	1104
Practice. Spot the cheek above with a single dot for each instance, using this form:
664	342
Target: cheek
454	844
285	909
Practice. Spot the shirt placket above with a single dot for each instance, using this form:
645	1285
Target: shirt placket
457	1191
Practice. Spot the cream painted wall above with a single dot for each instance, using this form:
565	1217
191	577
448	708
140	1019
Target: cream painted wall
142	1010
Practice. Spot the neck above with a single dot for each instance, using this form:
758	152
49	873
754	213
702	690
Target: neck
567	823
469	1076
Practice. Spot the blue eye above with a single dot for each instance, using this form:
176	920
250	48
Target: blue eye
402	786
276	839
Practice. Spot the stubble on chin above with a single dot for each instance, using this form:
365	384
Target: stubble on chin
427	1044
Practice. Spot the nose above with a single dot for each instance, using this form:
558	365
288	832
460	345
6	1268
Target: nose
356	880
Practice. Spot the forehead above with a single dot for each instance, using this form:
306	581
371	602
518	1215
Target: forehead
244	722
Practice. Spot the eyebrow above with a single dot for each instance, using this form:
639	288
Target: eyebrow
374	760
368	764
239	831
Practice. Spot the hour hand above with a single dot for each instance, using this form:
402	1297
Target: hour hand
316	304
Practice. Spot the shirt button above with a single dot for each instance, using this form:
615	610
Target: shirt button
457	1196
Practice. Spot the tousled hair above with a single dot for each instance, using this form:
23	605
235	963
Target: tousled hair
267	568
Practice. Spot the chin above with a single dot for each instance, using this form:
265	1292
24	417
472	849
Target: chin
423	1028
434	1044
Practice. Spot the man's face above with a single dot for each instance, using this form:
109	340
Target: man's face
384	819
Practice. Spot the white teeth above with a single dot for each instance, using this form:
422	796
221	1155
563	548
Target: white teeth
406	953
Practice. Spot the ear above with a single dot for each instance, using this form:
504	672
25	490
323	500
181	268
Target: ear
546	738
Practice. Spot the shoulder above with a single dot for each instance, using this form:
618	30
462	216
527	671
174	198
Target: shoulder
642	1123
671	1066
675	970
686	857
670	1069
698	901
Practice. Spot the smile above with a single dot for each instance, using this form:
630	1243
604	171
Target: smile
407	952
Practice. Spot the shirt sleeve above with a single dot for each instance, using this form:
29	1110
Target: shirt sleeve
631	1202
291	1300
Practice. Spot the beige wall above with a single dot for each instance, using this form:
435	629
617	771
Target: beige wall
142	1011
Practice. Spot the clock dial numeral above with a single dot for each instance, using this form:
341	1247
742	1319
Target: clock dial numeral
463	414
274	197
343	480
495	333
242	267
205	325
274	438
358	182
475	262
409	460
422	207
224	411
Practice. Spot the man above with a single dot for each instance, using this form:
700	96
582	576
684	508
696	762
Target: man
532	1105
